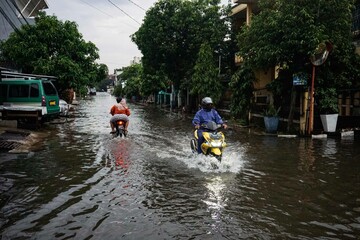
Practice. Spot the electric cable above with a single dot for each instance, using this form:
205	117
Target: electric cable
124	12
97	9
137	5
104	12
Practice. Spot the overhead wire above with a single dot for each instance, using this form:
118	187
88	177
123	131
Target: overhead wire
137	5
104	12
96	8
124	12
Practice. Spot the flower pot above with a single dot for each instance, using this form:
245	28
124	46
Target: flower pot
329	122
271	124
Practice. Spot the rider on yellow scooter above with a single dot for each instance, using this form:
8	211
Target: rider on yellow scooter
204	115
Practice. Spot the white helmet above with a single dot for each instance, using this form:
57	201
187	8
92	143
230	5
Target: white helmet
206	100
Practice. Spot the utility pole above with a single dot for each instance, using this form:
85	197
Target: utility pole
320	56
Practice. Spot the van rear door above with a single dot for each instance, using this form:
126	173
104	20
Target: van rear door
50	98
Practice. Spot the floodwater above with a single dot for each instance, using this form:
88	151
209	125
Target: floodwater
84	184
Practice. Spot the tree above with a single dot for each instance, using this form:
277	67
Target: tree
242	86
205	80
131	78
286	33
171	35
53	47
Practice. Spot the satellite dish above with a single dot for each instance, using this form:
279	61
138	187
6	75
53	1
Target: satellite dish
321	53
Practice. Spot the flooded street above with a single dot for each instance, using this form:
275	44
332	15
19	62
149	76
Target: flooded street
84	184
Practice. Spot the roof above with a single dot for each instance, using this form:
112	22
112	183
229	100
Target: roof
8	74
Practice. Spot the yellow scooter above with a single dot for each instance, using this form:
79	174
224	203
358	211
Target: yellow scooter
214	142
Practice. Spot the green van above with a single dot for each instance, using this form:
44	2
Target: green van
21	97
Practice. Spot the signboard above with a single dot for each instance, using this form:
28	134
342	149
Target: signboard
299	79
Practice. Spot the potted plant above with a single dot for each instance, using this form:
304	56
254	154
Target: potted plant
328	108
271	118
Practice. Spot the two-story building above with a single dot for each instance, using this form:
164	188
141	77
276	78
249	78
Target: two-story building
348	100
14	14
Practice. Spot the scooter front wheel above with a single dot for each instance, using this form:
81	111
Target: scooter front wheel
193	145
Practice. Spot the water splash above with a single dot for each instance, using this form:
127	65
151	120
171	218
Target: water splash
232	160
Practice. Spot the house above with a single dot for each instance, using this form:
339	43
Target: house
348	100
15	13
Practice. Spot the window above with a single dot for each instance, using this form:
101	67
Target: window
34	90
19	91
49	88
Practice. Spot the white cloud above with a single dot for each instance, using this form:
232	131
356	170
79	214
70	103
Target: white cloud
106	25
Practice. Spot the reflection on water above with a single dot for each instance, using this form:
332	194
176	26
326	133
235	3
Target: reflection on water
216	200
329	148
306	155
84	184
120	153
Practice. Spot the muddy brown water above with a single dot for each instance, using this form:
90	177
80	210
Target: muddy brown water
83	184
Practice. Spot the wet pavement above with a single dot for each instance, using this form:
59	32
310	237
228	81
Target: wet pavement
80	183
11	139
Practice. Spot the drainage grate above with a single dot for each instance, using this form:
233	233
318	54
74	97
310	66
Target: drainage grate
10	140
12	135
8	145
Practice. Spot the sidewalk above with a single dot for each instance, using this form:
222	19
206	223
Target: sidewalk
15	140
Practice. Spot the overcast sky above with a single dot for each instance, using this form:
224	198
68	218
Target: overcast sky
106	23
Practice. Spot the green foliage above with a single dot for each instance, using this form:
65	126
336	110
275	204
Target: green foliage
271	111
53	47
131	77
170	38
103	85
242	87
286	33
118	91
205	80
283	32
328	97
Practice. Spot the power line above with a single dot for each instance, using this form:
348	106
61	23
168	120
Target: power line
96	8
125	12
104	12
137	5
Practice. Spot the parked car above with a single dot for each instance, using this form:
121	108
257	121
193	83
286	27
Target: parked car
25	98
92	91
64	108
